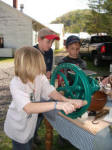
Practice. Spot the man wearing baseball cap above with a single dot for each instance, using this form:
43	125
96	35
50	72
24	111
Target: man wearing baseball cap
72	46
46	38
48	34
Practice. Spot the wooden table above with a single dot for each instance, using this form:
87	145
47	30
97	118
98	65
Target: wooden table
93	131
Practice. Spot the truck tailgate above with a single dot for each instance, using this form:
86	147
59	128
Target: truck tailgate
108	46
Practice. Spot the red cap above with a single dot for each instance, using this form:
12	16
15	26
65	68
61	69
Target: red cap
52	37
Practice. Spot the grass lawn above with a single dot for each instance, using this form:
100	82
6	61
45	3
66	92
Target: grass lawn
2	60
5	142
58	50
102	70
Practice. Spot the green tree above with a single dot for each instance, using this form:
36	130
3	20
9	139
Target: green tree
95	23
107	6
74	21
101	18
97	19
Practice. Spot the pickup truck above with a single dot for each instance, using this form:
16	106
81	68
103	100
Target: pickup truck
97	48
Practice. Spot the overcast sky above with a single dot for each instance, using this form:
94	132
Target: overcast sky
46	11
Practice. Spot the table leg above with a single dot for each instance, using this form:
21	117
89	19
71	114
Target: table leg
49	135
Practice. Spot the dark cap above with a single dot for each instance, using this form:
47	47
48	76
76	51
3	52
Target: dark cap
48	34
72	39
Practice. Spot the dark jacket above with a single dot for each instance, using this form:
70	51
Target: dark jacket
48	57
78	61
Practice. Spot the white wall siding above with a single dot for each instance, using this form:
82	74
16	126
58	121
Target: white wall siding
15	28
7	52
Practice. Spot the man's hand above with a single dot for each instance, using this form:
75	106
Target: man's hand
48	74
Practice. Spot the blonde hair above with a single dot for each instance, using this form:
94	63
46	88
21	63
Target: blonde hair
29	63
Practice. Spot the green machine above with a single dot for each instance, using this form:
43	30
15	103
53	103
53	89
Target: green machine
75	84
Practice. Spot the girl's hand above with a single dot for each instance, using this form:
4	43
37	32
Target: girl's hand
67	107
77	102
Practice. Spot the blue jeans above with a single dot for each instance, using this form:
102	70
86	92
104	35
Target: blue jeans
40	119
20	146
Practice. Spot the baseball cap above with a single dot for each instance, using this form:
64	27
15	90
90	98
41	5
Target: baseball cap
72	39
48	34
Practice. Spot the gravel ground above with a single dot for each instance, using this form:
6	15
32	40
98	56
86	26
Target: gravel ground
6	74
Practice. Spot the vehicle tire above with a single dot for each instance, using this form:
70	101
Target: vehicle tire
96	61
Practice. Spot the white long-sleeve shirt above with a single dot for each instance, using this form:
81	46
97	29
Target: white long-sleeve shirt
18	125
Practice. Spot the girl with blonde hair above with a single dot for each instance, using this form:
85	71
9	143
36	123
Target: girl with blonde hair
28	87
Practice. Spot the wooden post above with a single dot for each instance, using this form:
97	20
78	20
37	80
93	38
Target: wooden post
49	135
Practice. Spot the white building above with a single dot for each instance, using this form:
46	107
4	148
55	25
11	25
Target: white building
16	29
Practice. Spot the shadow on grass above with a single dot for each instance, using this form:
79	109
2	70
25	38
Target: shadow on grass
102	70
2	59
5	142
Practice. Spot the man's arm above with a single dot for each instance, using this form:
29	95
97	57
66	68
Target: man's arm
49	59
49	62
